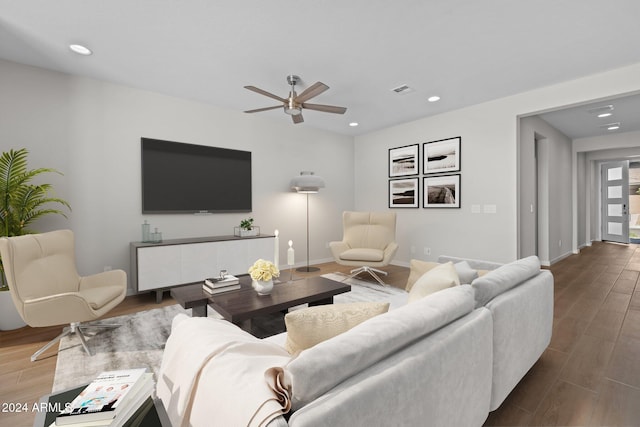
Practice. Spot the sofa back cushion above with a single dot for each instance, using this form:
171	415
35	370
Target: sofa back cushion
329	363
504	278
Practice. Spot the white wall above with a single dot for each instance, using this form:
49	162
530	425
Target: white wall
489	168
90	130
556	218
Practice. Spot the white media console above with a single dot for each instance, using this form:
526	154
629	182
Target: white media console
160	266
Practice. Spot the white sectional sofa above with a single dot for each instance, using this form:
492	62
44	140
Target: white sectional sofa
447	359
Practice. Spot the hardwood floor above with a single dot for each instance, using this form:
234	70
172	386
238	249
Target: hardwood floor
589	375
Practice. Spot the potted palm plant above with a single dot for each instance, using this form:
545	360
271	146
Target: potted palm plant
21	203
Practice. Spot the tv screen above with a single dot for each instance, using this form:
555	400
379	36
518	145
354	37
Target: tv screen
188	178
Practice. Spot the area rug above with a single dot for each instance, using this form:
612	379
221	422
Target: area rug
140	341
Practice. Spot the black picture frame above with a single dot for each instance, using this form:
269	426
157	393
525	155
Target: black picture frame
441	191
404	161
404	193
441	156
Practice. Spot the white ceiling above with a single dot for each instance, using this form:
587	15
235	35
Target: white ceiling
466	51
580	122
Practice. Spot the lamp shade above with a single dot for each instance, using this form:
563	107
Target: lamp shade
307	182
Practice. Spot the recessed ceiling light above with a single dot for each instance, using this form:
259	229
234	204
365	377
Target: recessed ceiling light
80	50
604	115
614	127
433	98
353	124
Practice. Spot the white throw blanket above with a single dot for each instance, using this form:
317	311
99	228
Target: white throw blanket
215	374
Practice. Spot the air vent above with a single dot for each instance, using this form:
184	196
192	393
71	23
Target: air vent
403	89
600	110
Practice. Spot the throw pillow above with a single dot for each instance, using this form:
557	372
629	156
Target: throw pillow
465	272
310	326
417	269
441	277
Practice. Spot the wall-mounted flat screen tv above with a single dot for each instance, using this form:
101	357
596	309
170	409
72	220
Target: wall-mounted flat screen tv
188	178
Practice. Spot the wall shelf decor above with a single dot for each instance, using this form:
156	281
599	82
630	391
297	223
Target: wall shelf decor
404	161
442	191
442	156
404	193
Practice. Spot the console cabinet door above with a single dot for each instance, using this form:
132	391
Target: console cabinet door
159	267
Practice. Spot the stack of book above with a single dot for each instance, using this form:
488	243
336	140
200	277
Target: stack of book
113	399
218	285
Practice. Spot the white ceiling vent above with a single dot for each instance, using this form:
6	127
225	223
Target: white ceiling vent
600	110
403	89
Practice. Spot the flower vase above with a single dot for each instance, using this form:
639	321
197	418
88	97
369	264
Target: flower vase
262	287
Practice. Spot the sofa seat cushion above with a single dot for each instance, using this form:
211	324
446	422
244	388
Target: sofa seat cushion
310	326
320	368
504	278
362	254
441	277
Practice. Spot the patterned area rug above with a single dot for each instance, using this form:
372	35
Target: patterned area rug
140	341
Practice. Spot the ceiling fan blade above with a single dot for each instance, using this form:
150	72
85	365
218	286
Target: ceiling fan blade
314	90
257	110
297	118
265	93
325	108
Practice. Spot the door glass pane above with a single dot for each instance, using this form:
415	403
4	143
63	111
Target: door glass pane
614	210
615	228
614	192
614	174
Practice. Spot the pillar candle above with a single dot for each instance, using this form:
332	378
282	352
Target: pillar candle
290	254
276	251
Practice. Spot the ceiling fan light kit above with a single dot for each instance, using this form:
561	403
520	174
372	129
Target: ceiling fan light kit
294	104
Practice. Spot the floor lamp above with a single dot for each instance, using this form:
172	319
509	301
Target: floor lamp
307	183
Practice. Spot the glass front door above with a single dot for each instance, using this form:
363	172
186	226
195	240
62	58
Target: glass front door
615	201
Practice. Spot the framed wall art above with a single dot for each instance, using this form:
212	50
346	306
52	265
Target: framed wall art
404	161
442	191
441	156
403	193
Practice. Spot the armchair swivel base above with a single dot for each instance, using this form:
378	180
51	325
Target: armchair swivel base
75	328
372	271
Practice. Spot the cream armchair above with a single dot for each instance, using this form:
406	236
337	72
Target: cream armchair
368	242
47	290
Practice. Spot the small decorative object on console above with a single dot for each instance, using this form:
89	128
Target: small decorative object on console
263	272
246	229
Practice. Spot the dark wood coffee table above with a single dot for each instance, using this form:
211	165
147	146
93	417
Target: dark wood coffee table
242	305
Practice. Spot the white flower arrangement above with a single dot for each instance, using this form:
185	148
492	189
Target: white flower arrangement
263	270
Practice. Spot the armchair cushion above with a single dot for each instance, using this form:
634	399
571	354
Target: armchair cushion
99	297
362	254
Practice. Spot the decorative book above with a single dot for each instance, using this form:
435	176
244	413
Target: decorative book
107	397
220	290
217	282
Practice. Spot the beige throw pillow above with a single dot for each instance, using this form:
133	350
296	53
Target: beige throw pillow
441	277
310	326
417	269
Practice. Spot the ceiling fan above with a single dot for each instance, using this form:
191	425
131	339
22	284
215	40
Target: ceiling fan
294	104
